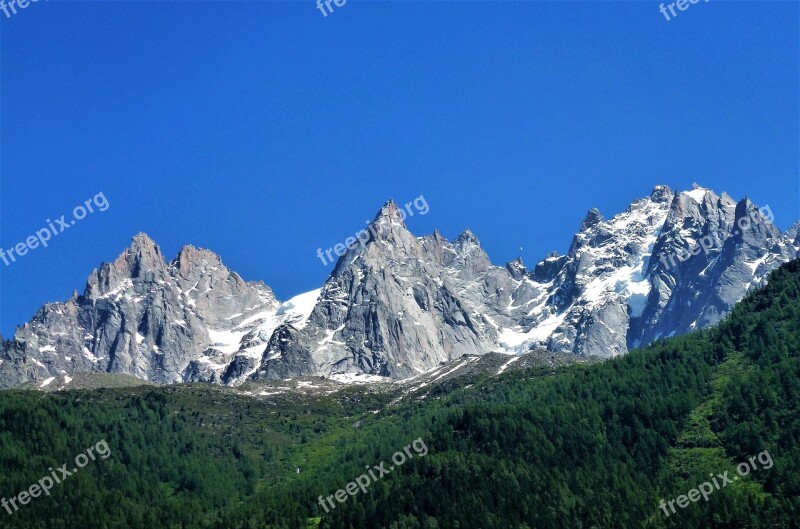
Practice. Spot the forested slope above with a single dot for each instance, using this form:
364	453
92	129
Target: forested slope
586	446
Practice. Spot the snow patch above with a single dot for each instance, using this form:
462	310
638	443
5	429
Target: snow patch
696	194
505	366
226	341
515	340
297	310
358	378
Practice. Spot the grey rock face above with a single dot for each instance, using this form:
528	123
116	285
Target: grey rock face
389	308
142	317
402	305
516	269
670	264
727	248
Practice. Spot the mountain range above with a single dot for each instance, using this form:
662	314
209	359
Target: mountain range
400	305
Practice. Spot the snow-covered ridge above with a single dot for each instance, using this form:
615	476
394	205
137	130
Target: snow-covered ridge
401	306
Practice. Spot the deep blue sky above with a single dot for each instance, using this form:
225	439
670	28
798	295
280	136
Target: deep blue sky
265	130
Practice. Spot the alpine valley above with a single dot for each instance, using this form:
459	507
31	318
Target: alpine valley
401	306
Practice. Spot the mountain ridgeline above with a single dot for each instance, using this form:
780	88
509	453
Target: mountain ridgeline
400	305
592	445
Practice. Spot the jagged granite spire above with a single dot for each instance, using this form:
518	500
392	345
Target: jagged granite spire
592	219
142	317
398	305
516	268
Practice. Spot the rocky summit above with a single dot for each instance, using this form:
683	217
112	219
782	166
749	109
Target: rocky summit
400	305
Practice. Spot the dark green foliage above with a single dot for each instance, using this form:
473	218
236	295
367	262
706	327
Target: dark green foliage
593	446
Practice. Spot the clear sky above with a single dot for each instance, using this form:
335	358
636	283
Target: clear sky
265	130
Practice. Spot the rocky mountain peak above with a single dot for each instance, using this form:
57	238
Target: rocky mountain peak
702	206
592	219
142	256
661	193
516	268
142	246
390	211
466	239
750	223
385	239
438	237
472	259
793	234
388	225
138	266
437	248
398	305
191	260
